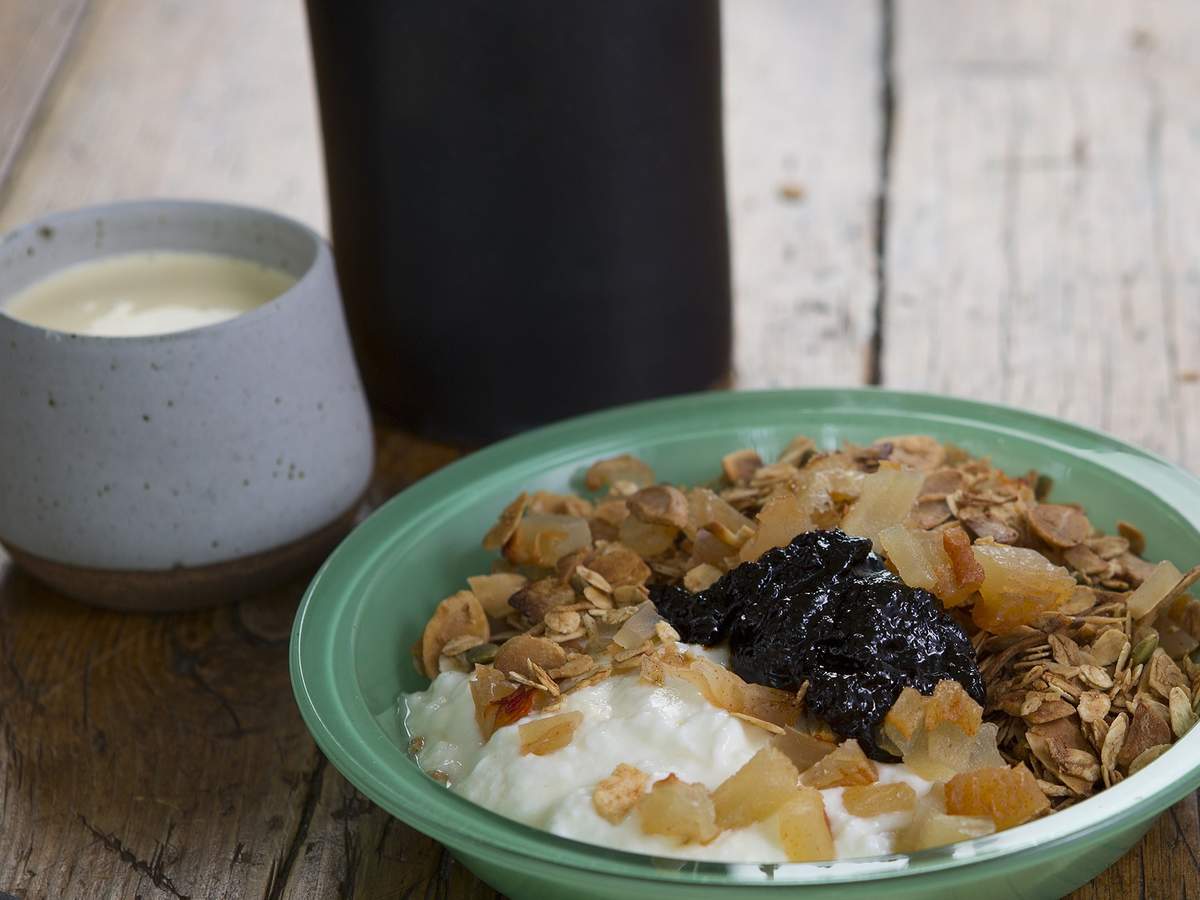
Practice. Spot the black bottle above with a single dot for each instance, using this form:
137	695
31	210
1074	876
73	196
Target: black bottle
528	203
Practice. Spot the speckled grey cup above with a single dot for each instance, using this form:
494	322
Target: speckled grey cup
182	469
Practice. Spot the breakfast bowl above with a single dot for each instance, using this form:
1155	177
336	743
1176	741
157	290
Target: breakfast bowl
350	658
171	470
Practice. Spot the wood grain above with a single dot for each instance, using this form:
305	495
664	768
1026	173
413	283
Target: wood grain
1039	212
163	756
211	100
34	34
1040	244
803	132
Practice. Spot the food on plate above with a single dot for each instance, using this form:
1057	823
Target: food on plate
838	654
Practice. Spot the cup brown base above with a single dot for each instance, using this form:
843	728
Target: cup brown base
188	587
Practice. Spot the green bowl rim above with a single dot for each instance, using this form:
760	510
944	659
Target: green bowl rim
327	717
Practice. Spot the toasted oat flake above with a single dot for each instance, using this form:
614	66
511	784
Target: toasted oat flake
617	795
1147	756
563	622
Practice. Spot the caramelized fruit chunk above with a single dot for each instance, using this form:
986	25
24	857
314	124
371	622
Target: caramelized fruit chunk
782	517
911	552
905	717
1006	796
936	829
847	765
542	736
951	704
941	735
645	539
1019	586
870	800
804	829
680	810
488	688
514	707
938	561
966	574
541	539
755	790
932	826
804	750
1151	592
886	498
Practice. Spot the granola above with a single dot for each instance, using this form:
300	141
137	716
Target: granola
1088	652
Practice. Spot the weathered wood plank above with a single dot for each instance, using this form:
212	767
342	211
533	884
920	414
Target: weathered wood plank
212	100
802	124
149	755
34	35
1042	240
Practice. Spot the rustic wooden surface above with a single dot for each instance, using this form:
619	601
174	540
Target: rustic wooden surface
929	194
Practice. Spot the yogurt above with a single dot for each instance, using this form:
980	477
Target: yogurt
660	729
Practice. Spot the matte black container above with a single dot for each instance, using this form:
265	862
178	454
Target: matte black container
528	203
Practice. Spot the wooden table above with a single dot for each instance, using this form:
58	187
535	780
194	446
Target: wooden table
992	200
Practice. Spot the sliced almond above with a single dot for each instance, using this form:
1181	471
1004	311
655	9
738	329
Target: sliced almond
516	654
607	472
660	504
740	465
506	525
459	614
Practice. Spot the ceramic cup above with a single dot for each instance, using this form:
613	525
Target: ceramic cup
182	469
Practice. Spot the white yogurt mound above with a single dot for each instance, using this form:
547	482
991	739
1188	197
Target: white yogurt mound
659	729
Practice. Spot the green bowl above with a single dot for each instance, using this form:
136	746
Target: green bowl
350	644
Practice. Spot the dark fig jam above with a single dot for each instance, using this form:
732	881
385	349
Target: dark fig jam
824	610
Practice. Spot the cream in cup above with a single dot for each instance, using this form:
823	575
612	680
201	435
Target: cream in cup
181	419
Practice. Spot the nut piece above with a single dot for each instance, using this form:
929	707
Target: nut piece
506	525
1133	534
1059	526
660	504
917	451
607	472
740	465
493	591
563	621
1147	729
620	566
516	655
535	600
617	794
459	614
